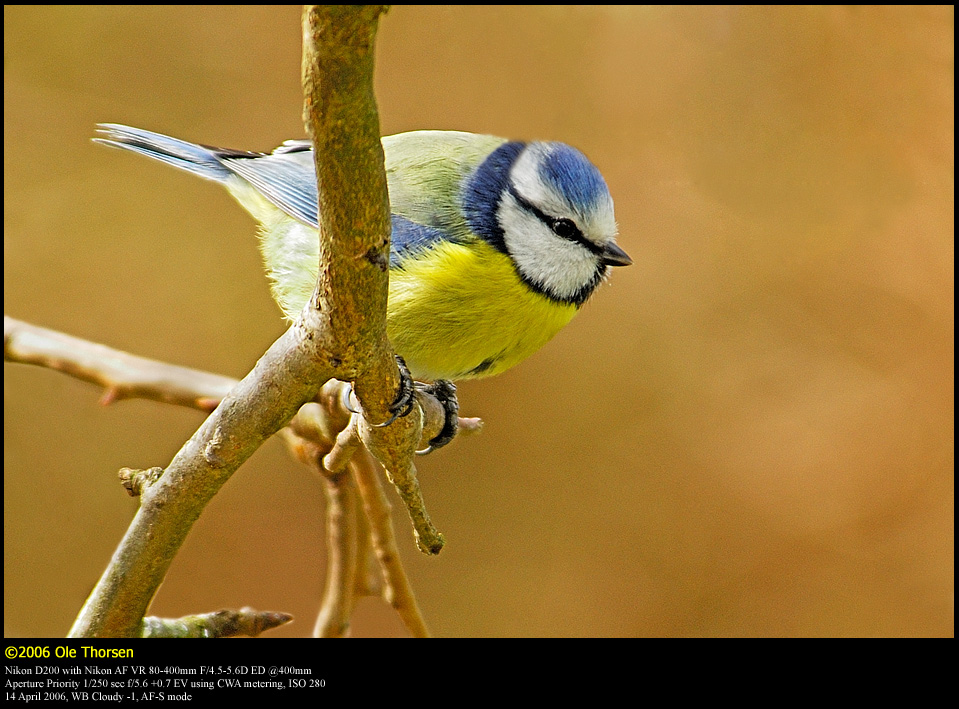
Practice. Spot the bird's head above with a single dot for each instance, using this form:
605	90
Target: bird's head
547	207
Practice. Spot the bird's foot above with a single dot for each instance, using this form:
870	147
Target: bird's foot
445	392
442	389
403	403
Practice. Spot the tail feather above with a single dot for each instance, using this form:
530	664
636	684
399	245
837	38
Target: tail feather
198	159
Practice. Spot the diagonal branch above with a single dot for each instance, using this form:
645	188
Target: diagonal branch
311	435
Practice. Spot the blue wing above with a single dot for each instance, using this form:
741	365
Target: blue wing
409	238
286	177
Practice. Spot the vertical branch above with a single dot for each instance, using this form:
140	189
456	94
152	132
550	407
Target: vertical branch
339	333
339	597
354	222
354	212
397	589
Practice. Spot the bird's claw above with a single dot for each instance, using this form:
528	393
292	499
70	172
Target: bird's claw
403	403
445	392
442	389
346	399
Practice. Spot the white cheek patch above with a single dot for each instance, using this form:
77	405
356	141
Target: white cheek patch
559	266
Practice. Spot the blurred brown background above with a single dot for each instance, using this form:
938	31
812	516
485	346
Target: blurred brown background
749	432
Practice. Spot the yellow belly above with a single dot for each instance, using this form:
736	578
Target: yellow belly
456	312
461	312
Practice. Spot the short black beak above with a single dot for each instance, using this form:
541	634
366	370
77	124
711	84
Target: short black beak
612	255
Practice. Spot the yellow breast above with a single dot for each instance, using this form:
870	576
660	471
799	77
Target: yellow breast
460	311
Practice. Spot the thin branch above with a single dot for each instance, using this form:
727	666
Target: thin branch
397	591
127	376
122	375
310	442
367	581
336	608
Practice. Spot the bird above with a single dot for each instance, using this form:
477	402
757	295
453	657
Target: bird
496	244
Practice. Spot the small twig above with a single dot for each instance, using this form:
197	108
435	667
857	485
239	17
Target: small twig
367	581
396	456
220	624
394	448
349	535
339	600
347	441
310	439
398	592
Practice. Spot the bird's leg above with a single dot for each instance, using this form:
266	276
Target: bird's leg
445	392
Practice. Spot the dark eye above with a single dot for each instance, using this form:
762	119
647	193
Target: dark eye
564	228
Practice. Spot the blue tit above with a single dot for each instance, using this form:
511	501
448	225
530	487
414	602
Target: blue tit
495	245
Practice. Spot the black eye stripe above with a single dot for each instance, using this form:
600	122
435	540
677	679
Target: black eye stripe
557	225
